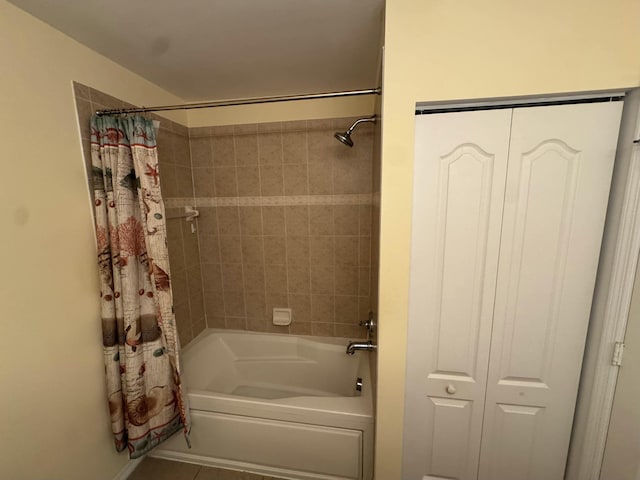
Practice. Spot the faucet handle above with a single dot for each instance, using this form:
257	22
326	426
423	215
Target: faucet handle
369	324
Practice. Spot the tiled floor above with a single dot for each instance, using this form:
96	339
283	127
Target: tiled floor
157	469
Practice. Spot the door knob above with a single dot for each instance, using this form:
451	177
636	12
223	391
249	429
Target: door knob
451	389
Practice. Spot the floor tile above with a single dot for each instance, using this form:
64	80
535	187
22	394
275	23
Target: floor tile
212	473
159	469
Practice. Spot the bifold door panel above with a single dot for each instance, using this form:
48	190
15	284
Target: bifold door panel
508	213
460	172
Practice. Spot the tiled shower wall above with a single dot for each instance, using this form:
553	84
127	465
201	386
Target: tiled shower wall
176	181
285	221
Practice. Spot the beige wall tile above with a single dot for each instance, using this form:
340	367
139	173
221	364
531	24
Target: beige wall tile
300	329
322	146
228	220
199	326
321	220
165	149
85	111
256	324
298	278
322	279
271	180
184	182
271	127
346	309
365	281
234	304
224	151
322	250
208	221
212	277
271	328
300	305
200	132
248	181
245	129
230	249
346	280
183	321
82	91
232	279
294	147
191	249
201	152
295	126
105	99
347	250
252	249
222	130
179	286
203	182
251	220
295	180
273	220
322	329
365	219
181	151
270	148
297	220
168	184
321	178
216	322
346	219
196	304
209	248
225	180
349	331
274	250
275	300
364	257
214	304
276	278
235	323
194	279
246	149
364	307
254	279
298	250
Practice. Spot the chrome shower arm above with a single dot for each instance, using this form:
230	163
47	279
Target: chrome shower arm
371	119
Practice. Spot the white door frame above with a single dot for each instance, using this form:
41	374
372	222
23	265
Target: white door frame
588	461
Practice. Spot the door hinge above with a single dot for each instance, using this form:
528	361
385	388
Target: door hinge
618	350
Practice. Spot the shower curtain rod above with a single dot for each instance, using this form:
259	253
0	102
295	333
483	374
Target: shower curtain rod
241	101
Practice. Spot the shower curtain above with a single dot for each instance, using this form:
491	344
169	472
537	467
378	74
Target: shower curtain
141	346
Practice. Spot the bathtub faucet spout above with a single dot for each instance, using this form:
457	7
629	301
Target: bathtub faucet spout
353	346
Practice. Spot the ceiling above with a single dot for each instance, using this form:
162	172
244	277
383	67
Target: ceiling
220	49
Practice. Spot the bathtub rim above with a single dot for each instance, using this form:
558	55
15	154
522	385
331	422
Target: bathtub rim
338	411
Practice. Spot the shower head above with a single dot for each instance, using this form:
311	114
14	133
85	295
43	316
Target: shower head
345	137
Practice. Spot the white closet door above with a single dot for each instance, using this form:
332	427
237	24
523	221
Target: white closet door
560	164
459	178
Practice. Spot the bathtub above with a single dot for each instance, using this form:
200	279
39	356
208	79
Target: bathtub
279	405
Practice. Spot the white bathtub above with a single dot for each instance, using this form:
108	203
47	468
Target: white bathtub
278	405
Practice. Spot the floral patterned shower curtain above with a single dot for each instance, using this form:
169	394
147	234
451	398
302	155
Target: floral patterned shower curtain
141	346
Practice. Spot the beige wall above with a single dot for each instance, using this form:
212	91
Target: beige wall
55	422
440	50
284	111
